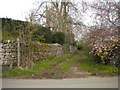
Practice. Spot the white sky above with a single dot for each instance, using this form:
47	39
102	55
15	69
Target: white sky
18	9
15	9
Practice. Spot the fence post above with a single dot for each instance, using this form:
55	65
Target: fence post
18	50
70	49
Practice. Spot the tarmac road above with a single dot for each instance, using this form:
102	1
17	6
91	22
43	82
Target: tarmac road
91	82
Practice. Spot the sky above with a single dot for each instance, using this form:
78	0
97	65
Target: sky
15	9
18	9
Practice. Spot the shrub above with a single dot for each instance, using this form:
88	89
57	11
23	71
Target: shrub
43	34
66	48
105	46
59	37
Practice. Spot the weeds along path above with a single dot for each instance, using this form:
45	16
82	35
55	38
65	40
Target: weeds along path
77	65
67	66
75	70
55	71
72	68
35	71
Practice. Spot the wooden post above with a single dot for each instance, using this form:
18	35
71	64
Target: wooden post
18	49
70	49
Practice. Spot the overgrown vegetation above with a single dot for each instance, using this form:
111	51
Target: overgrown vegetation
99	49
66	48
45	35
43	32
11	29
36	70
65	67
59	37
82	57
87	63
105	46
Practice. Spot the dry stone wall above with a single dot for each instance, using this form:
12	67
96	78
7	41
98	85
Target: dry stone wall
1	56
8	53
44	51
35	51
38	52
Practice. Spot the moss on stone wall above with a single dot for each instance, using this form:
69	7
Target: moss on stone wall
34	51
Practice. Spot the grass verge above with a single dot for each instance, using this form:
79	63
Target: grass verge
36	70
65	67
95	68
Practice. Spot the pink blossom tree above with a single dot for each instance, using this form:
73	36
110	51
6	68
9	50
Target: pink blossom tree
104	38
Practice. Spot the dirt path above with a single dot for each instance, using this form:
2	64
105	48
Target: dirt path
53	72
77	73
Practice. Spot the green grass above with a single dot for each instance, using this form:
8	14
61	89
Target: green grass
46	64
65	67
95	68
15	72
36	70
82	57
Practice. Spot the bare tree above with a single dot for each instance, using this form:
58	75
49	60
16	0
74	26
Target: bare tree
57	16
107	13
